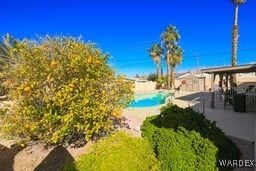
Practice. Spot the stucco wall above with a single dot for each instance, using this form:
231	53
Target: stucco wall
144	86
244	80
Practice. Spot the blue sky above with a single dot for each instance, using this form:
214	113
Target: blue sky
126	29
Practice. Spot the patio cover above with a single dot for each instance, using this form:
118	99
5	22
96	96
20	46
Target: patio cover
231	69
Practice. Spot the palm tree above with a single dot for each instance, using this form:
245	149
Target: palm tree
175	59
156	52
235	37
170	37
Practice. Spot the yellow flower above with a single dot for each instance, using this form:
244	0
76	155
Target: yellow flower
71	85
54	64
90	59
27	89
116	113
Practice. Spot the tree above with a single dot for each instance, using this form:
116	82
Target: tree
175	59
170	37
235	37
62	88
156	52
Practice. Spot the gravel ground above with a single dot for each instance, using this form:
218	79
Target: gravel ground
247	150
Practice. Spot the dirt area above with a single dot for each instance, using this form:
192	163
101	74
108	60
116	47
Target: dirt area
36	157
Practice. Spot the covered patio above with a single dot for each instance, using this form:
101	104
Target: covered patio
225	91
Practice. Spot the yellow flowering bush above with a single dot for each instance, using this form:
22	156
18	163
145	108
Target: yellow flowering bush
62	86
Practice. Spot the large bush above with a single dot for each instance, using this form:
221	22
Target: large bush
180	149
201	133
62	87
118	152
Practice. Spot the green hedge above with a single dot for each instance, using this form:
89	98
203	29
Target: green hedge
180	149
118	152
191	129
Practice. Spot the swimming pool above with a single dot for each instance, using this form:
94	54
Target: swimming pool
148	100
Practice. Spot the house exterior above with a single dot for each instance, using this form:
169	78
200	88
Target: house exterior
190	82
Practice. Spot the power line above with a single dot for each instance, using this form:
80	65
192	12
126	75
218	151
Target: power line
137	44
191	57
213	54
145	46
226	52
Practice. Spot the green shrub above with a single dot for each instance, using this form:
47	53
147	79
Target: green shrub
199	130
174	117
117	152
173	150
180	149
62	87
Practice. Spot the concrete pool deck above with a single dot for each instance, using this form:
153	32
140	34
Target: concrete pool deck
136	116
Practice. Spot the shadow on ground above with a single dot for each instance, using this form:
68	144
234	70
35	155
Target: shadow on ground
7	156
200	100
55	160
203	95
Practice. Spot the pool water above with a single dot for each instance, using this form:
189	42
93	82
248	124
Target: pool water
148	100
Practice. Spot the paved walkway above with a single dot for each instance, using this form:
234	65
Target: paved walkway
136	116
240	125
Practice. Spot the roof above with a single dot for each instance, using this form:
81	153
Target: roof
136	79
181	75
190	75
231	69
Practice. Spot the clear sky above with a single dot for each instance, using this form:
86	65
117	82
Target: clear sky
126	29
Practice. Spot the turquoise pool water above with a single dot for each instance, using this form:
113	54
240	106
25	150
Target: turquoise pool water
148	100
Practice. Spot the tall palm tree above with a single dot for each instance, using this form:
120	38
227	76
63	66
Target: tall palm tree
175	59
235	37
170	37
156	52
